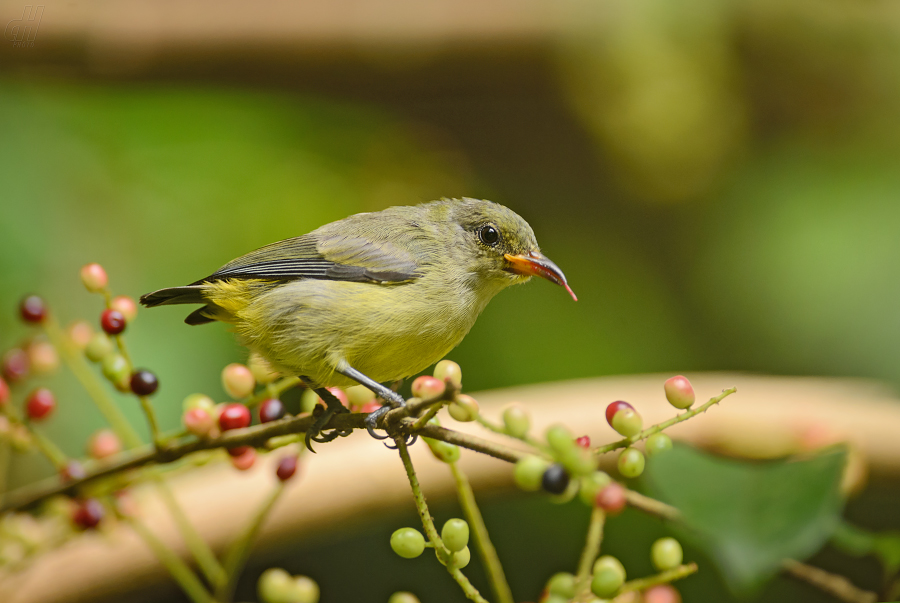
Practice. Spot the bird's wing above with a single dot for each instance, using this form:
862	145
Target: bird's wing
324	256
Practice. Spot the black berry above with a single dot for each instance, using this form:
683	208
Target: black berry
144	383
555	479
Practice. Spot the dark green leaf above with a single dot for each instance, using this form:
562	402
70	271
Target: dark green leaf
749	516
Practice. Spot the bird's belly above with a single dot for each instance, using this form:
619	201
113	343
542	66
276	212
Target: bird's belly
385	332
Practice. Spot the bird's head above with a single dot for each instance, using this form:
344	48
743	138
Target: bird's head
499	245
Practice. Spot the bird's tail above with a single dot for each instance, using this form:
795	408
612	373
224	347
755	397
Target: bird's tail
189	294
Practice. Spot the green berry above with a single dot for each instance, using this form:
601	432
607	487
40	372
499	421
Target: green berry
305	590
464	408
666	554
658	442
455	534
562	584
403	597
443	451
275	586
679	392
408	542
516	421
612	562
631	462
198	401
462	558
529	472
449	371
99	346
359	395
115	368
591	485
308	400
550	598
560	438
606	582
627	422
578	461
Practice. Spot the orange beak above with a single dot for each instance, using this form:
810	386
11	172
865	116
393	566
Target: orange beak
534	263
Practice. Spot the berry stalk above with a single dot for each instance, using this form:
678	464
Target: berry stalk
590	552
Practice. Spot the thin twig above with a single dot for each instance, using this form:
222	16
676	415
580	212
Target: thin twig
652	506
682	571
837	586
590	551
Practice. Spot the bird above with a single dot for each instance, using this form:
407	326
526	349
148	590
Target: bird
372	298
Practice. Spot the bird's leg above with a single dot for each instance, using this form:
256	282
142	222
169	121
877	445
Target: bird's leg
333	407
393	399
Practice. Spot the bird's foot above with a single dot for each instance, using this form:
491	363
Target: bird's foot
315	433
392	400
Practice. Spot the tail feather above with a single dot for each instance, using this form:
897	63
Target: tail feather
190	294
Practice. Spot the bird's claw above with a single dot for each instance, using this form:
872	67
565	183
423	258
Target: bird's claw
393	400
409	440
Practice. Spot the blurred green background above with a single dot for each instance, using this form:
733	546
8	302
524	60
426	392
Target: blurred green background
718	179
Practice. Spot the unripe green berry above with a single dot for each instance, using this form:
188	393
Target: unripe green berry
560	438
551	598
449	371
115	368
612	562
408	542
562	584
455	534
308	400
94	277
666	553
658	442
516	421
275	586
305	590
591	485
98	347
679	392
403	597
606	582
359	395
460	558
464	408
443	451
198	401
631	462
627	422
578	461
529	471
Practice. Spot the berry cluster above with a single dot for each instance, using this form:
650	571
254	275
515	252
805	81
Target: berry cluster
409	543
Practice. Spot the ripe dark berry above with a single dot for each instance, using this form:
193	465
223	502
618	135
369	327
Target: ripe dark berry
584	441
237	450
271	410
287	467
144	383
112	321
40	403
611	498
615	407
234	416
33	309
88	514
16	364
555	479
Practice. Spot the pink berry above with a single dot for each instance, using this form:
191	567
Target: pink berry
238	380
427	387
143	383
244	461
237	450
73	471
94	277
611	498
4	391
40	403
16	365
662	593
271	410
369	407
33	309
80	333
88	514
340	395
615	407
287	467
198	421
42	357
679	392
103	444
234	416
584	441
127	306
112	321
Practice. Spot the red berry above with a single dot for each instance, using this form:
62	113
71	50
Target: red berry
40	403
198	421
271	410
112	321
426	387
662	593
244	461
287	467
88	514
16	364
369	407
234	416
611	498
584	441
340	395
4	391
237	450
615	407
679	392
33	309
73	471
103	444
144	383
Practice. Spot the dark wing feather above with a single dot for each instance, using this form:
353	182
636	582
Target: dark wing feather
323	256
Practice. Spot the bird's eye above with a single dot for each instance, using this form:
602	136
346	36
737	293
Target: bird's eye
489	235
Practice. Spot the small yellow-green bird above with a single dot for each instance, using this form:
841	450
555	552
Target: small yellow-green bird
372	298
